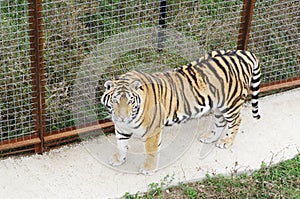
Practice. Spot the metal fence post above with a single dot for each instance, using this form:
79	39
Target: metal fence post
245	25
162	24
37	69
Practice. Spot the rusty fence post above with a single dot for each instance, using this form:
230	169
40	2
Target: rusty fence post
245	25
37	69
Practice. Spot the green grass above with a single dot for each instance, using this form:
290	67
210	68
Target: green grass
281	180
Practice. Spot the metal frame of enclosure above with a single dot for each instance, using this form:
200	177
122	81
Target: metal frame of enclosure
42	41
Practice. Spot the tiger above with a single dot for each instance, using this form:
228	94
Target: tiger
142	104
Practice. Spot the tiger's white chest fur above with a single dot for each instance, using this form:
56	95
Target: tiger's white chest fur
130	128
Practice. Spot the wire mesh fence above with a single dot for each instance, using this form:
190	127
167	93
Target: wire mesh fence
88	42
16	117
97	40
275	37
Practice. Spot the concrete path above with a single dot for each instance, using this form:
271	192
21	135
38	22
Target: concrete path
80	171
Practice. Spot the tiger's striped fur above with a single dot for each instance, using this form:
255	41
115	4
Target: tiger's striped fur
141	103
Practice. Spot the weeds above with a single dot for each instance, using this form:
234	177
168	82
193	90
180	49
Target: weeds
189	191
270	181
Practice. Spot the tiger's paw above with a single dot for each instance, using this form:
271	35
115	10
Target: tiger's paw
208	138
116	160
146	172
147	169
224	143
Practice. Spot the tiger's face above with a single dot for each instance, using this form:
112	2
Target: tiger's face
122	99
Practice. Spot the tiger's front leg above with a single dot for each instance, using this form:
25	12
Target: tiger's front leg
119	157
152	146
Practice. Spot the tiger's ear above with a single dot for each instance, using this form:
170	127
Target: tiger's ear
108	85
136	85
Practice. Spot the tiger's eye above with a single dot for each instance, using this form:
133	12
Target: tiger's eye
114	99
131	100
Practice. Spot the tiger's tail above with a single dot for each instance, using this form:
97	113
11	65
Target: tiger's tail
255	84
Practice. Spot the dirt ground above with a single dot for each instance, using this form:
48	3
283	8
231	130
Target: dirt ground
81	170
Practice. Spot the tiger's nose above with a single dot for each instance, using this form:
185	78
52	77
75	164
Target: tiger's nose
121	119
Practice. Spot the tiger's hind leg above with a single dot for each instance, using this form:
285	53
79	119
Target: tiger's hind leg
233	126
152	146
219	124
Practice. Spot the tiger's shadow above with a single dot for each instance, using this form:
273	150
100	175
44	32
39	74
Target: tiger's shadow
176	141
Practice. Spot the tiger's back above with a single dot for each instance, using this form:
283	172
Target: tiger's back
227	76
221	81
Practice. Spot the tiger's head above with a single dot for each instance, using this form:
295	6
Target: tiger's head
122	98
